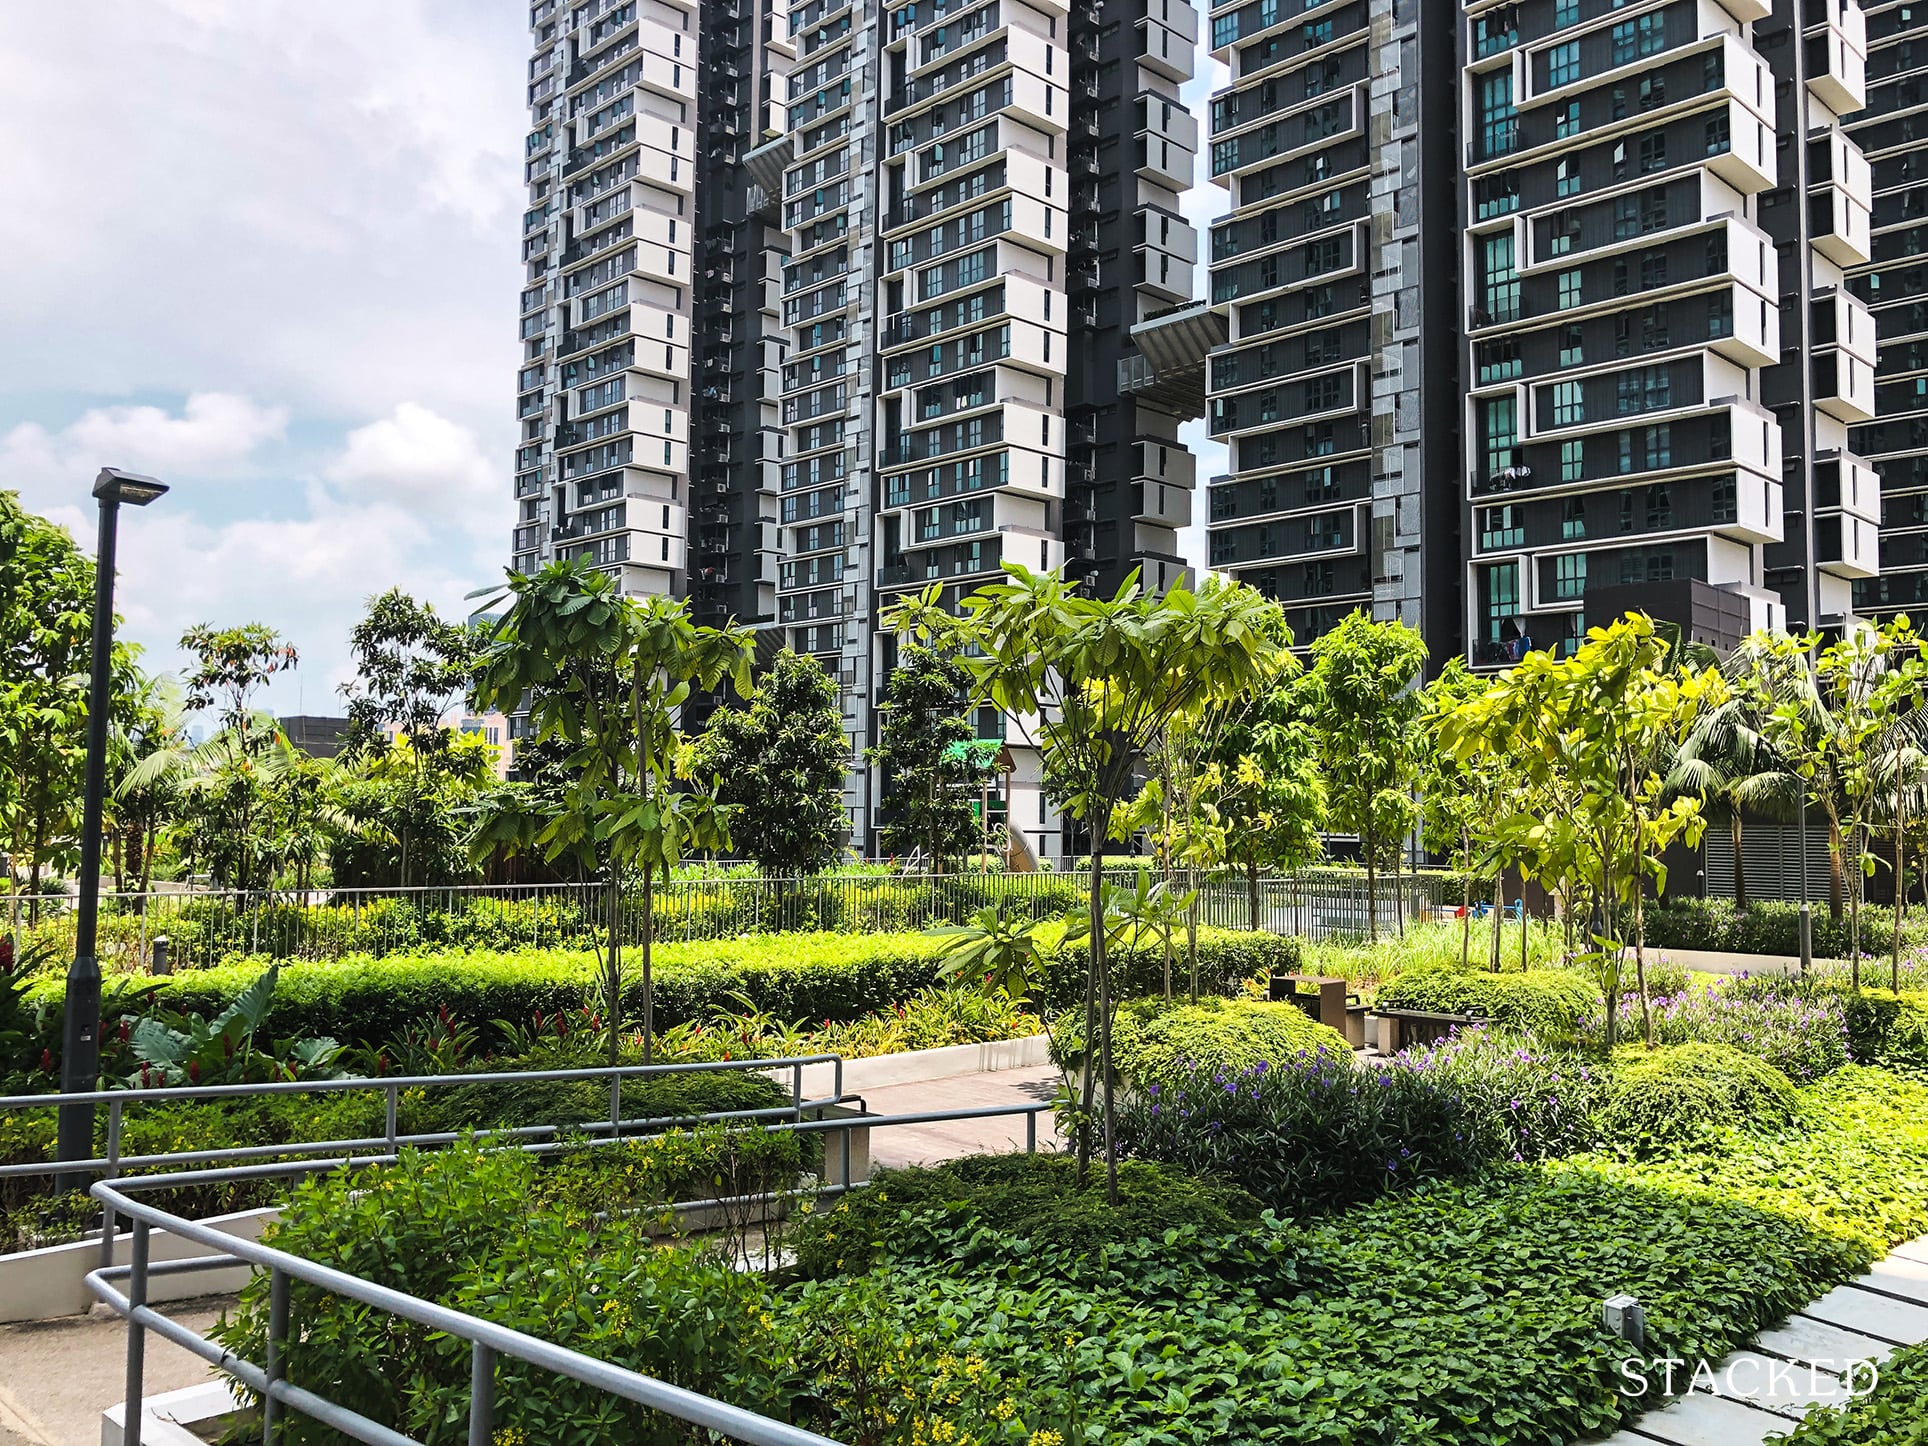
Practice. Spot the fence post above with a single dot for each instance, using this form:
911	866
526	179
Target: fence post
1030	1132
481	1395
615	1106
113	1169
136	1340
391	1111
275	1365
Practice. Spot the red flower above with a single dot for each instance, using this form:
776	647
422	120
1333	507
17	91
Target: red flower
6	953
47	1060
194	1071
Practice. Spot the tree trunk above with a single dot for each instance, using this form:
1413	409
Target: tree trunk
649	936
1499	921
1399	894
613	968
1096	924
1640	963
1191	928
1740	869
1901	887
1466	900
1372	882
1610	970
1252	891
1835	882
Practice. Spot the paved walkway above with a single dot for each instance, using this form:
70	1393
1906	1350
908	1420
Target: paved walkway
929	1144
1799	1364
57	1376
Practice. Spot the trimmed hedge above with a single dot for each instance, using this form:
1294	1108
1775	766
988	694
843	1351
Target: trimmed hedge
812	977
1674	1095
1773	927
1550	1002
1159	1039
1886	1028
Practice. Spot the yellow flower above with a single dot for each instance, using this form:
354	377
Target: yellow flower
1045	1437
1004	1410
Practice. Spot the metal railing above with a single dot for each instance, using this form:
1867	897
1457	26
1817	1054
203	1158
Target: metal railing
71	1174
488	1342
204	926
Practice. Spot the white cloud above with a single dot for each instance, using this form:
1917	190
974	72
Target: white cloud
215	433
428	465
299	541
315	202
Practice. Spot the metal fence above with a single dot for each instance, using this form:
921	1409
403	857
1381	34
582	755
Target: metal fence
489	1343
202	927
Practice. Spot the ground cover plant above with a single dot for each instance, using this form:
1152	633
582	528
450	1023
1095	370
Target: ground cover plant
1549	1002
1895	1413
1456	1311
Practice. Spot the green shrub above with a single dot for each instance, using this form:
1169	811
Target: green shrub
1772	927
1895	1413
1549	1003
457	1107
1160	1039
365	1002
930	1213
1666	1096
1885	1028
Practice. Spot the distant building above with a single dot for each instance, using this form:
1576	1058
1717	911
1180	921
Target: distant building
491	727
316	737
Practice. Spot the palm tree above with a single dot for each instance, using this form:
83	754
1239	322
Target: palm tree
1727	759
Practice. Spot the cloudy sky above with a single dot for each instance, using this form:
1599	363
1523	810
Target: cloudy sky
267	251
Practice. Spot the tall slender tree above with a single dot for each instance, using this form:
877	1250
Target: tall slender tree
1097	680
923	760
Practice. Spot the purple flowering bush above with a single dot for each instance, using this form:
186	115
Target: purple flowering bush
1317	1132
1803	1034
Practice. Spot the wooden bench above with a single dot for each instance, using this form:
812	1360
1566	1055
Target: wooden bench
1399	1028
1332	1002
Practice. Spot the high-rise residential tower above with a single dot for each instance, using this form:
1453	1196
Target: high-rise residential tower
1663	357
1892	131
982	204
646	396
1335	388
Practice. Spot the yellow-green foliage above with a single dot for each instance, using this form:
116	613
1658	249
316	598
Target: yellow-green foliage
1666	1096
1157	1038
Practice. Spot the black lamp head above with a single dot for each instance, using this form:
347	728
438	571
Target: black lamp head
129	487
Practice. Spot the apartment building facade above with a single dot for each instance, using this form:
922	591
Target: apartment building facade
982	203
646	396
1892	133
1663	355
1335	388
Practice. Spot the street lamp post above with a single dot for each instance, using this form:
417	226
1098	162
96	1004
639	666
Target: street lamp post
80	1036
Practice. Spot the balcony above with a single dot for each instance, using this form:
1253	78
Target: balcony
1161	503
1837	58
1844	482
1844	386
1847	546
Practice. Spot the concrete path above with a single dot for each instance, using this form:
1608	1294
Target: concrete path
1808	1361
929	1144
56	1377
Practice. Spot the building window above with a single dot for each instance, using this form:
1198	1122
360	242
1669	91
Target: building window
1502	597
1566	176
1566	120
1501	527
1720	137
1572	346
1660	509
1499	122
1653	152
1562	233
1726	500
1502	281
1569	404
1569	575
1565	13
1563	63
1573	510
1569	289
1499	432
1496	195
1499	361
1633	39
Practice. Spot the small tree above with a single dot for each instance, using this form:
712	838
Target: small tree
46	629
1729	759
1593	734
1459	796
608	675
923	758
1366	706
779	767
1099	679
411	666
229	794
